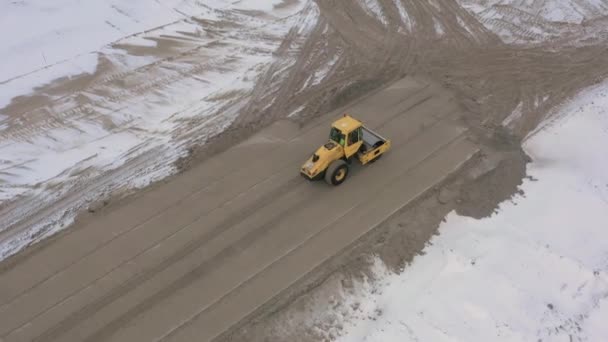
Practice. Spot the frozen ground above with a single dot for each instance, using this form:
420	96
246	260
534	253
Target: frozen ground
536	21
536	270
99	95
66	35
520	22
46	33
514	21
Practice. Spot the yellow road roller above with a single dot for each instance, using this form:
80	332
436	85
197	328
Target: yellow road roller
348	139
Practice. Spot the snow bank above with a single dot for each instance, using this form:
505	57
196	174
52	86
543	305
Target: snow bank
536	270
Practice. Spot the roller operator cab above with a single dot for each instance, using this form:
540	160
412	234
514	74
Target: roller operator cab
348	139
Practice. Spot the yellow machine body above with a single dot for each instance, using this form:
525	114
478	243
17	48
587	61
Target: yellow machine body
349	139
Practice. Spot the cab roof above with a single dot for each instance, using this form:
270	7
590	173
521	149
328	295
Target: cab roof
346	124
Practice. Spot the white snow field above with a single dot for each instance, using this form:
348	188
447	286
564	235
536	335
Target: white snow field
42	33
536	270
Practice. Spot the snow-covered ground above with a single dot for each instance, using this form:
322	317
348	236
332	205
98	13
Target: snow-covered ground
534	21
374	9
44	33
519	22
41	34
536	270
568	11
156	77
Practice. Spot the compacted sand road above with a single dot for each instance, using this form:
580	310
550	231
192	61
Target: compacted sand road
190	258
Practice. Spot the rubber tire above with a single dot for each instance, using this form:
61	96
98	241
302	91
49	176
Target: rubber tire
332	171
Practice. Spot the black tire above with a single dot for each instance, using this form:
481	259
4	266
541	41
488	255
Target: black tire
333	172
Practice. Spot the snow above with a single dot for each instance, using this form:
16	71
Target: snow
568	11
67	28
9	89
37	159
374	8
319	75
65	35
405	18
296	112
129	136
536	270
46	33
462	23
515	115
534	21
438	27
435	5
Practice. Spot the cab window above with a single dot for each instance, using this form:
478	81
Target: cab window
353	137
337	136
